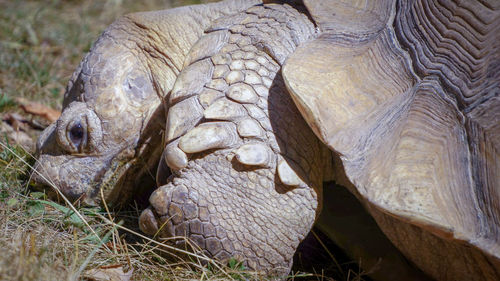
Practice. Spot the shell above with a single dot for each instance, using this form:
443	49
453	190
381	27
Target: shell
408	94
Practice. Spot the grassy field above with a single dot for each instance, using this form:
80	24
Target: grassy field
41	43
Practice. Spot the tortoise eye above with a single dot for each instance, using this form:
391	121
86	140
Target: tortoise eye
77	135
78	129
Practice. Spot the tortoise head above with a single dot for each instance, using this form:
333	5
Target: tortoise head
105	125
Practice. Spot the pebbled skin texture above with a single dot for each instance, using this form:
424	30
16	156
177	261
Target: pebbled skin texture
225	193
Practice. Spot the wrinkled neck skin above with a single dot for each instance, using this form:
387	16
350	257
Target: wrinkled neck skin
109	134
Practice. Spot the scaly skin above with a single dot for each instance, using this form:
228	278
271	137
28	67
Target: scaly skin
108	136
247	168
106	109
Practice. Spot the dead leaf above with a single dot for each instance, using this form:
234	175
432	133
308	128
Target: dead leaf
41	110
108	273
16	136
19	122
16	121
110	266
112	246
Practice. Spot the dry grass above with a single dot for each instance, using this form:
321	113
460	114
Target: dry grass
46	240
41	43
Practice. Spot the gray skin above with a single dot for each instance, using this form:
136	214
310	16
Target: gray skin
241	173
96	141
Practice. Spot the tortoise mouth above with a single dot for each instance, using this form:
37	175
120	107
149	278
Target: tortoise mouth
46	176
81	179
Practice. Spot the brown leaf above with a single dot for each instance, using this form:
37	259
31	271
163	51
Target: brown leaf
16	121
113	246
41	110
108	273
16	136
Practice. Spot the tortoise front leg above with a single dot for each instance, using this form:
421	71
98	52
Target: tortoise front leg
247	168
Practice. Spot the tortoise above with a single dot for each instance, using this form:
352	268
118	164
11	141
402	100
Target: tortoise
256	105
